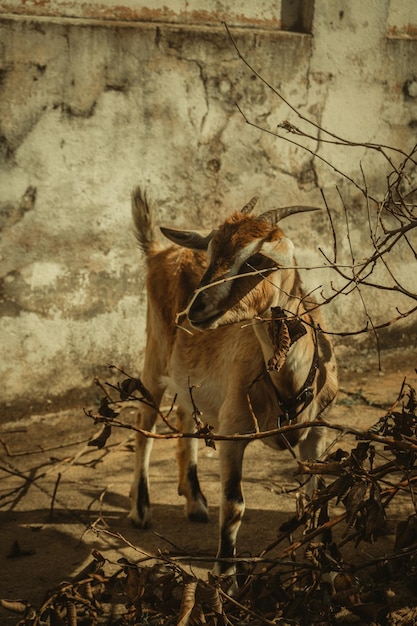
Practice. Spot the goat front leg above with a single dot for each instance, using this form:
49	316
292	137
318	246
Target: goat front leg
232	506
188	483
311	448
140	512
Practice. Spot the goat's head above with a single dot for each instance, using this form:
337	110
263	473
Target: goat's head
247	260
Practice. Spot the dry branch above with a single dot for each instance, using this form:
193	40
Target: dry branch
309	559
391	218
306	576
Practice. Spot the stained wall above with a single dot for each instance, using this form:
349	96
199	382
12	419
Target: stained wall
96	99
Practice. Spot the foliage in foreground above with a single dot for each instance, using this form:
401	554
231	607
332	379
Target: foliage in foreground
312	574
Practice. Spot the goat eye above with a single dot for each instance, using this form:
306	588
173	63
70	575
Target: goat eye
256	261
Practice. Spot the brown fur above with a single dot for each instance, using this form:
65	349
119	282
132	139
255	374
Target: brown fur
225	362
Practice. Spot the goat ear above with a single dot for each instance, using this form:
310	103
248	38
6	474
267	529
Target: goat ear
280	251
188	238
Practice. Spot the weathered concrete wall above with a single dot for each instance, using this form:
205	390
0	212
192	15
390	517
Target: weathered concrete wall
245	13
89	110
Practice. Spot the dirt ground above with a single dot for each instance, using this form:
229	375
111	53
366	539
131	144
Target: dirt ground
60	499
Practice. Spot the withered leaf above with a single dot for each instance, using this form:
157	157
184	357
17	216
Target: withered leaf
381	427
105	410
360	453
210	596
342	582
347	597
353	501
283	332
281	342
406	534
374	515
15	606
205	430
292	524
295	606
101	439
135	586
324	516
169	587
187	602
128	387
295	326
97	556
412	400
334	553
338	455
55	618
372	612
340	487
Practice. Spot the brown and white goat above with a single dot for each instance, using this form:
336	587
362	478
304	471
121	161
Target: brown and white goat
245	376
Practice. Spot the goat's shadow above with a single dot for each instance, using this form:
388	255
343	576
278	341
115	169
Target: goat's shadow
173	534
57	548
46	539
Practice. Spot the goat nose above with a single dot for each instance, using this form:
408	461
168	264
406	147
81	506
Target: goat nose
199	305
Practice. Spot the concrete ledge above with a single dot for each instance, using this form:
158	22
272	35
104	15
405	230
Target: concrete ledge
263	15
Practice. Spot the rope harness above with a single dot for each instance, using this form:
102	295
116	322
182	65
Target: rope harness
284	332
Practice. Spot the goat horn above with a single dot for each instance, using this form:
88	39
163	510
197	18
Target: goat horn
250	205
276	215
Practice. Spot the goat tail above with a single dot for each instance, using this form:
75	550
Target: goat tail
143	221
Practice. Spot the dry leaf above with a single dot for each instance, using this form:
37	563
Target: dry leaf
101	439
15	606
187	602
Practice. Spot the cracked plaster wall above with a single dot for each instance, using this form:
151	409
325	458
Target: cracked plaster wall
89	110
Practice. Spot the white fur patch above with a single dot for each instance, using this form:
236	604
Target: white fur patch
280	251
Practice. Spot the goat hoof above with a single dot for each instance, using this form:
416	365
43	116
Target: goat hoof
139	522
198	516
196	510
228	580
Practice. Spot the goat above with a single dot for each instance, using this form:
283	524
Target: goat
250	345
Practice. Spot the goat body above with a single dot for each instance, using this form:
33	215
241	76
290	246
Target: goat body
249	345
